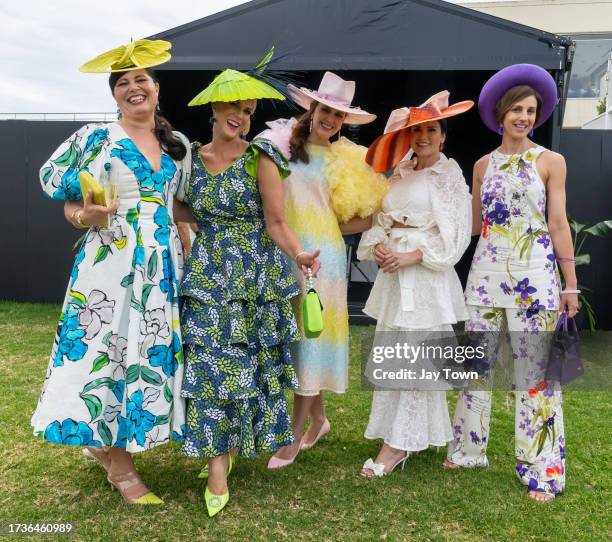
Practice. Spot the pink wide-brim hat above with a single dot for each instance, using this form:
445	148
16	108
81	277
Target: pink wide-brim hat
334	92
512	76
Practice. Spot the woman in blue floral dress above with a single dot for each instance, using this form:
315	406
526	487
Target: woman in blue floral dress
513	285
114	377
237	318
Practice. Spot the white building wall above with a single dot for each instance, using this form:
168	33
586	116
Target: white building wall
556	16
564	17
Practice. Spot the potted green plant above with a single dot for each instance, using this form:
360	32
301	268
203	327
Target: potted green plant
580	233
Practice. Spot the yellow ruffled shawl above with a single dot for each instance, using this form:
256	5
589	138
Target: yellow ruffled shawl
355	188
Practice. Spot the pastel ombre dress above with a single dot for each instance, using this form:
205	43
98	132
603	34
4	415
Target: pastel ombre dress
316	194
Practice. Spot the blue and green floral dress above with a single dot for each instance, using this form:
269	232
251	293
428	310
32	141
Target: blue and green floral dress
237	318
116	367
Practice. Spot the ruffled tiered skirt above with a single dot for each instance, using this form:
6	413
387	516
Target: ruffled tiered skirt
238	324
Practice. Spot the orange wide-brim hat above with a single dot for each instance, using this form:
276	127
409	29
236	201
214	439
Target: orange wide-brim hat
389	149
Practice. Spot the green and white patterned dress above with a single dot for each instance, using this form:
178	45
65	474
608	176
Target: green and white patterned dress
237	318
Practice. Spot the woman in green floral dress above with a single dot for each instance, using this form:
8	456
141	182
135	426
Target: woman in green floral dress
237	319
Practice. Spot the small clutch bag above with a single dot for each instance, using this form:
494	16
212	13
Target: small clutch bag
312	310
87	183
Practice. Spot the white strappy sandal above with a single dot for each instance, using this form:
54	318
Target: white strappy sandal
379	468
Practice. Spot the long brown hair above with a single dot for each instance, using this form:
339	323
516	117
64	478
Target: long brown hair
299	136
516	94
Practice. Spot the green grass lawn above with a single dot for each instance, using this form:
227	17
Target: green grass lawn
320	497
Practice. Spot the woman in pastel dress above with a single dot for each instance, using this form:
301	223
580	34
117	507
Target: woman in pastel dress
513	285
419	235
330	192
237	318
114	377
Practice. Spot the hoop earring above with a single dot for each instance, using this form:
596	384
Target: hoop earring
500	130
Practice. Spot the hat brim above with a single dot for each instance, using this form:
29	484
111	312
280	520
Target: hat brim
518	74
304	98
387	151
144	54
233	86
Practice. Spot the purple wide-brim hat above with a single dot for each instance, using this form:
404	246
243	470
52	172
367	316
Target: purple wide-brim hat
518	74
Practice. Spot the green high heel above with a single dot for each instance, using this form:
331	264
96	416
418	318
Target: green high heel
203	474
216	503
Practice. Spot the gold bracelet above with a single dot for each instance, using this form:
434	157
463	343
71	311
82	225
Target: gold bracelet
298	255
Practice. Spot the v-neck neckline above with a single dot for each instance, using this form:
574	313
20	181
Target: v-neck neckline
161	156
223	170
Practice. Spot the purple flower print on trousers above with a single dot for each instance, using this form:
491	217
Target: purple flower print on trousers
524	289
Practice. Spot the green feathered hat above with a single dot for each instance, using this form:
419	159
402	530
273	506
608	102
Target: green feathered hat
232	85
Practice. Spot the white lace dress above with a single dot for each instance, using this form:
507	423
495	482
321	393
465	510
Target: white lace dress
427	297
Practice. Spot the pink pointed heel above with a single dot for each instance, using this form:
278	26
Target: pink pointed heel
322	432
278	463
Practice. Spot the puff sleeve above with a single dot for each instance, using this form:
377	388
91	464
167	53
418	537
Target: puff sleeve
446	242
378	233
265	146
279	133
87	149
184	167
355	188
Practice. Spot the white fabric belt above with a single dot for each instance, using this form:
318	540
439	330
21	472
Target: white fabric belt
406	240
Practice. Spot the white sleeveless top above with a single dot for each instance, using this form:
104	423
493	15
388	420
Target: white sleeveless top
514	265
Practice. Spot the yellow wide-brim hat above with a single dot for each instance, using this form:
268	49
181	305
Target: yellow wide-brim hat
136	55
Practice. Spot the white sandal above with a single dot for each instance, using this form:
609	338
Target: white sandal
379	468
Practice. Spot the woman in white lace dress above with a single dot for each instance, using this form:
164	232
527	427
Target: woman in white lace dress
418	236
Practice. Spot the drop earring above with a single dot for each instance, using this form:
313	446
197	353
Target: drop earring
119	115
531	133
310	127
500	130
211	120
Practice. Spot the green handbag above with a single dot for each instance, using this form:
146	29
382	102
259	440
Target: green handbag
312	310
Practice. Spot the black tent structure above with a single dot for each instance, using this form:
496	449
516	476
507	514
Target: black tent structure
399	53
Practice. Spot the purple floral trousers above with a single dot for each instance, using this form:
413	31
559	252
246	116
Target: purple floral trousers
539	433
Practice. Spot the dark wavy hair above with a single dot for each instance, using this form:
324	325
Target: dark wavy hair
163	129
299	136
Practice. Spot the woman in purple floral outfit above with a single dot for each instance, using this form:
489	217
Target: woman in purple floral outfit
513	285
